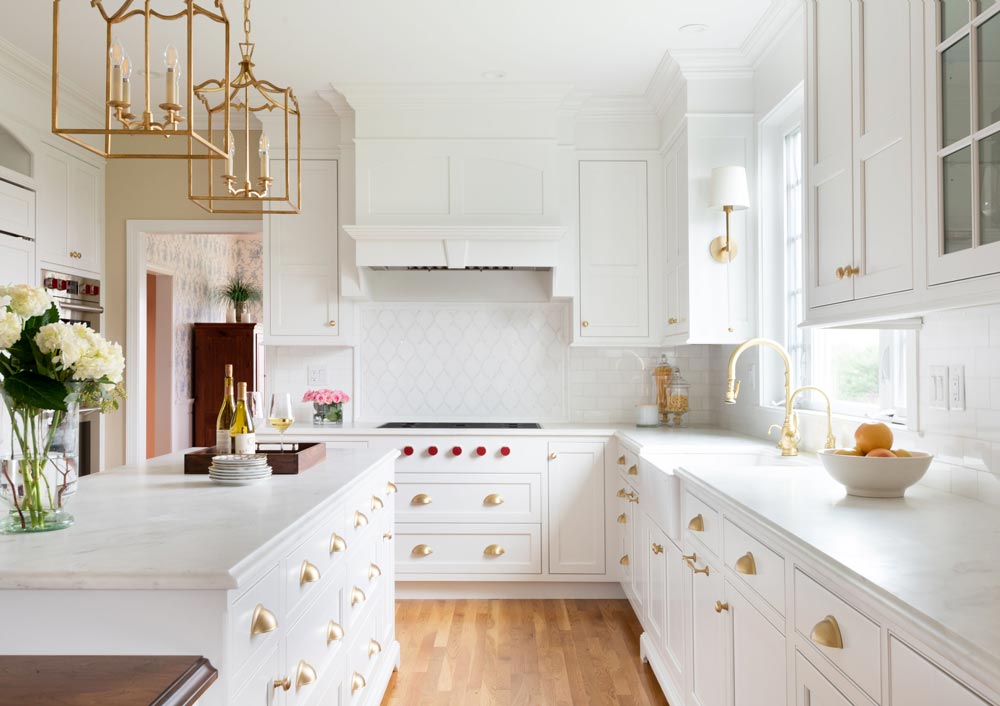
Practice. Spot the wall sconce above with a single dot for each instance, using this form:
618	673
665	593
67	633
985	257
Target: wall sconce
730	193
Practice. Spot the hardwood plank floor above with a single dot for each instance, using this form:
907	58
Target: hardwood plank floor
520	653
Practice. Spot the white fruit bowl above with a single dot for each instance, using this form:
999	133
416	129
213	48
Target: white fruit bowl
875	477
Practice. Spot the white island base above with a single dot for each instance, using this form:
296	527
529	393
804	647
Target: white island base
286	586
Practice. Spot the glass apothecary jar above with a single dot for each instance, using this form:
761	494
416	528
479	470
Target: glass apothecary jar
678	399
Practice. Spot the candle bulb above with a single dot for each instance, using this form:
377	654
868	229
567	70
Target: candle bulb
265	162
126	71
171	61
116	54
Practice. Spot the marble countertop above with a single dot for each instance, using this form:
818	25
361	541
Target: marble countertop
931	555
149	526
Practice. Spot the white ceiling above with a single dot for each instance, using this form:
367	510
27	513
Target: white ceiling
598	45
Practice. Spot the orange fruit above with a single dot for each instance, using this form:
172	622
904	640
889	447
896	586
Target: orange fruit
880	453
873	436
847	452
902	453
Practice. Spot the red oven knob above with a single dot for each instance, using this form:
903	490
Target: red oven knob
63	285
50	282
97	290
432	450
505	451
481	450
407	450
456	451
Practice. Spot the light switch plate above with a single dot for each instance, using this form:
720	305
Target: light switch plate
938	387
315	375
956	387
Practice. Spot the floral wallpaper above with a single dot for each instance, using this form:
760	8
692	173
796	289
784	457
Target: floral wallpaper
200	264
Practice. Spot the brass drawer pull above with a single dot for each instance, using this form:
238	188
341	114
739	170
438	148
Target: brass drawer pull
622	519
262	621
422	550
421	499
747	565
360	519
309	573
621	460
621	493
633	470
337	543
703	570
693	556
377	503
849	271
374	647
357	596
493	499
697	523
332	323
357	683
720	606
333	632
553	456
624	560
633	498
494	550
284	683
374	571
390	488
304	674
827	633
657	548
672	321
387	535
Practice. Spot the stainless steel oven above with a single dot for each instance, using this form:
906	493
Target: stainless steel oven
79	300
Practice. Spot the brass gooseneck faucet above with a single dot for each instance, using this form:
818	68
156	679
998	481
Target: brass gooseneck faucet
789	441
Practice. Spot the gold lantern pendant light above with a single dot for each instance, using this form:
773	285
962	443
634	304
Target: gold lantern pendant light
123	119
246	193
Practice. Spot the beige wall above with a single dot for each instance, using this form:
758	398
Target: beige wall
137	189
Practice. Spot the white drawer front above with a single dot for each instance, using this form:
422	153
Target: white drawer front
436	454
490	497
266	593
468	549
256	690
307	564
318	637
701	521
760	568
859	658
361	657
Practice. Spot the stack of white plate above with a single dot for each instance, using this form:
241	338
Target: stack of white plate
237	469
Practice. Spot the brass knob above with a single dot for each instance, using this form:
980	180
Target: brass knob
332	322
703	570
422	550
494	550
374	571
357	596
841	273
421	499
390	488
360	519
337	543
262	621
624	560
387	535
657	548
374	647
552	456
853	271
746	565
377	503
633	498
284	683
333	632
585	324
493	499
621	460
672	320
622	519
304	674
720	606
697	523
693	556
309	573
357	683
633	470
827	633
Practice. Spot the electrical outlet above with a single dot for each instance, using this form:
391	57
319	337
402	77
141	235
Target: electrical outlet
938	387
956	388
316	375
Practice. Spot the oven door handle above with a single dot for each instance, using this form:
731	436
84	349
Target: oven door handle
80	307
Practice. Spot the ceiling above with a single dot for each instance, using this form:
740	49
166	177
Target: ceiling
598	45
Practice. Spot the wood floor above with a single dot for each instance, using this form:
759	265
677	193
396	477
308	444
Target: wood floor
520	653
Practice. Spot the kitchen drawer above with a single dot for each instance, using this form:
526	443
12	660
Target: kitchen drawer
256	689
760	568
524	455
817	610
318	636
914	681
701	522
363	653
462	549
262	600
489	497
364	580
307	564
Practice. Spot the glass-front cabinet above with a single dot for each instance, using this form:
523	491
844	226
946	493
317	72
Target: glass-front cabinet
967	141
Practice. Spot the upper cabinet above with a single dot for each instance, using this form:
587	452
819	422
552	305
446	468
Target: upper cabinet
864	118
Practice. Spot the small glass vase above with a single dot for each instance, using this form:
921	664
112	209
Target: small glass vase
38	467
328	415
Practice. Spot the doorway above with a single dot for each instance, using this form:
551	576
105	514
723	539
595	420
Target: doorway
160	422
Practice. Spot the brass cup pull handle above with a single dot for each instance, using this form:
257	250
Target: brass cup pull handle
494	550
422	550
360	519
390	488
284	683
421	499
703	570
305	674
493	499
374	571
827	633
633	470
747	565
693	556
721	606
357	683
672	320
697	523
262	621
657	548
357	596
337	544
377	503
624	560
623	519
334	632
374	647
621	460
309	573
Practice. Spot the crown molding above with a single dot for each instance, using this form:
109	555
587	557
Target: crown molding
616	109
780	14
363	96
666	82
37	75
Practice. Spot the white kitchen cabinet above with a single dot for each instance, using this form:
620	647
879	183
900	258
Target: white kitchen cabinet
70	206
17	260
707	677
614	249
17	210
576	508
813	689
914	681
301	256
758	654
666	573
655	547
864	111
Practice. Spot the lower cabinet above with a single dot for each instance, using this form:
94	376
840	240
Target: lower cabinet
913	681
758	654
666	573
813	689
707	666
576	508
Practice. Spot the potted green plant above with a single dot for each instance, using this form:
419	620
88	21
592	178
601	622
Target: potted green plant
240	293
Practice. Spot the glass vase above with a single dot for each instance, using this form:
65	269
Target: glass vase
328	415
39	457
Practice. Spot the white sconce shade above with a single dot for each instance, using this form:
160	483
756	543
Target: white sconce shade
729	188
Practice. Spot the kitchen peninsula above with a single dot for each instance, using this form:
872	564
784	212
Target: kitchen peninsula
286	585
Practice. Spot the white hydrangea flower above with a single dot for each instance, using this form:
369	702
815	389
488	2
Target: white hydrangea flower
26	301
102	360
10	328
64	341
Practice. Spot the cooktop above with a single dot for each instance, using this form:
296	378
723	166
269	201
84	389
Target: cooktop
460	425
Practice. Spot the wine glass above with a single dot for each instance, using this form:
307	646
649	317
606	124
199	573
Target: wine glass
255	400
281	416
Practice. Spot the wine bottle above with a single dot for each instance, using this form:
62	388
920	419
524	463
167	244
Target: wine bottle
224	422
242	431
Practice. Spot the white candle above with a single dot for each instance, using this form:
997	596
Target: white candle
265	162
116	54
171	61
231	155
126	84
171	87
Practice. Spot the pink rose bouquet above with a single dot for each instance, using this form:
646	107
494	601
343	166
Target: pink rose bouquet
328	406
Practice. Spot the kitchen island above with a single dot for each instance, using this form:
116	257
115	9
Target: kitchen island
285	586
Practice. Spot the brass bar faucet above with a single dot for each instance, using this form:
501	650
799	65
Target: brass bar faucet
831	440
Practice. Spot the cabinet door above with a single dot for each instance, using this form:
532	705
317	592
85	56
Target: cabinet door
707	663
84	208
883	175
52	176
17	210
614	276
830	240
914	681
813	689
576	508
624	518
301	257
677	575
656	582
758	655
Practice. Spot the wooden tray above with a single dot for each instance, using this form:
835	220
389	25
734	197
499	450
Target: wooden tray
294	459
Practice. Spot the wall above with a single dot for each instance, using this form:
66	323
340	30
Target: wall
781	68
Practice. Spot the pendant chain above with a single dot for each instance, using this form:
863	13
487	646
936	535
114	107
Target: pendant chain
246	20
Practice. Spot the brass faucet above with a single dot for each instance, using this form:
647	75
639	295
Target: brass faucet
789	442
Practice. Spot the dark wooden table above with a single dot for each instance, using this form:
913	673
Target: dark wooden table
103	681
